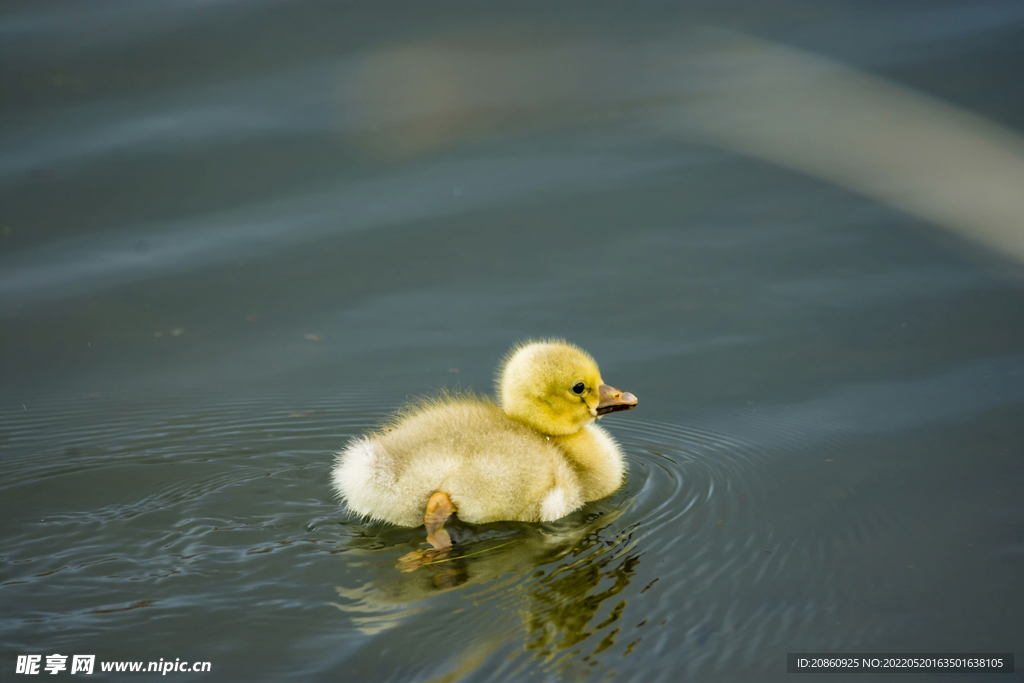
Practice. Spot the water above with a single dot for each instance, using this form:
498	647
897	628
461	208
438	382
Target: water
236	235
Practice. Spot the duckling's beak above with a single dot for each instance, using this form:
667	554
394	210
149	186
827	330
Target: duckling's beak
613	400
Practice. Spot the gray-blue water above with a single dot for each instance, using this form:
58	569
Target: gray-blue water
234	235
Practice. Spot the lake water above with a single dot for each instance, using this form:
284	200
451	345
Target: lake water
235	235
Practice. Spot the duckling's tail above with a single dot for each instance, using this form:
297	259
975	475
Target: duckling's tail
365	481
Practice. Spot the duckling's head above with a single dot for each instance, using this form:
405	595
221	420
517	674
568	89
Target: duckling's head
556	388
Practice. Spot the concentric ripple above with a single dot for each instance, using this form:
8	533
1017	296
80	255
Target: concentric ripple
679	472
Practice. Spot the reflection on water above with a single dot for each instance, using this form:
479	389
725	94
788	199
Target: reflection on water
555	584
550	575
570	598
794	109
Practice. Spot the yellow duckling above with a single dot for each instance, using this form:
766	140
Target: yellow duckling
536	457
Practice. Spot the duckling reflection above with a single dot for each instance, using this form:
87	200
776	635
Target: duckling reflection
553	580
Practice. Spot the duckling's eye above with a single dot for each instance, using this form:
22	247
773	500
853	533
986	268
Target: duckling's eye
578	388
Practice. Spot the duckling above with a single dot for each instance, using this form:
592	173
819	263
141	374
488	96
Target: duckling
535	455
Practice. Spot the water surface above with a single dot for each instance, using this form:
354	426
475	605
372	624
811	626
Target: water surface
236	235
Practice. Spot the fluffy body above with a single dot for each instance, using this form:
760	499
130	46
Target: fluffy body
535	458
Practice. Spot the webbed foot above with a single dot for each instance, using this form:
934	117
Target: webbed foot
439	509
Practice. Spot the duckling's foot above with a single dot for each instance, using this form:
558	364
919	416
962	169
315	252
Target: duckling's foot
439	509
410	562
